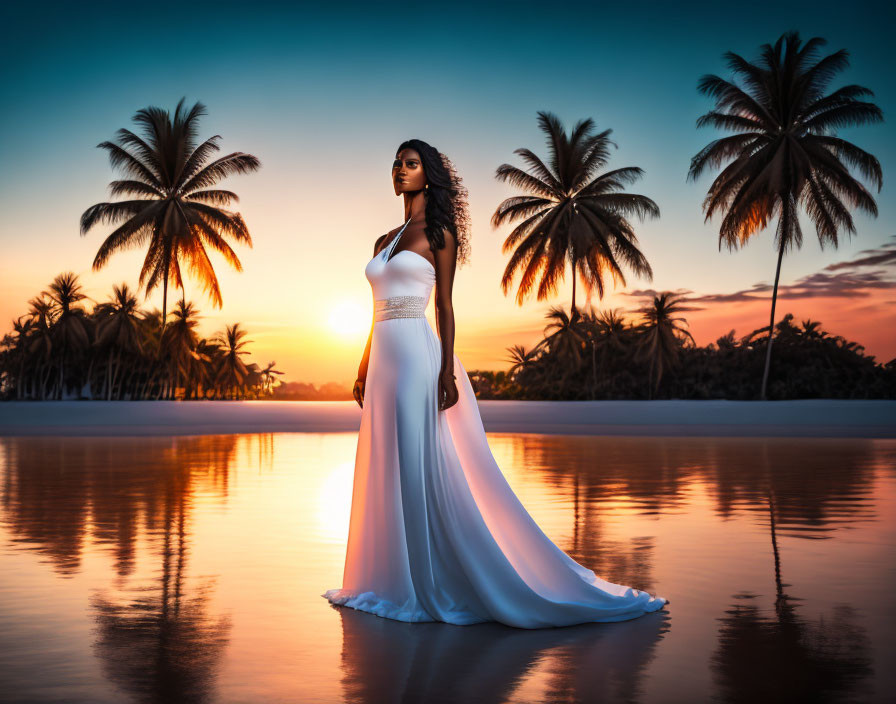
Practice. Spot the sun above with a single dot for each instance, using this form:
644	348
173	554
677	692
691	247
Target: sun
349	319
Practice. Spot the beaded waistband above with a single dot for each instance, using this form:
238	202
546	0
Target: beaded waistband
399	307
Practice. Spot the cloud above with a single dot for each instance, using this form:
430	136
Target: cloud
871	269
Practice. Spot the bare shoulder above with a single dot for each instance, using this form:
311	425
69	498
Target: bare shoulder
446	255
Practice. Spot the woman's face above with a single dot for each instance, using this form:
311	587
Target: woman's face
407	172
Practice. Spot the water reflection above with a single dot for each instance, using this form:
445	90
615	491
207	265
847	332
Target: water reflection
56	489
189	569
156	639
823	660
388	661
786	657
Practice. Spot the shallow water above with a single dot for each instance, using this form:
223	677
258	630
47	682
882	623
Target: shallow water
190	569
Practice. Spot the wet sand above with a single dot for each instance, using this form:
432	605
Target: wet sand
720	418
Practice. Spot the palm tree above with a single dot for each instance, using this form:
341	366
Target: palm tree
662	334
612	328
118	329
786	153
812	330
267	377
233	372
180	343
566	342
521	360
15	347
41	339
569	215
614	334
173	208
71	326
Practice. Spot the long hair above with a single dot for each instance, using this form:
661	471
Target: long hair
446	199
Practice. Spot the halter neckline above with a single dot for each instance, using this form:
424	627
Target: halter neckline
391	246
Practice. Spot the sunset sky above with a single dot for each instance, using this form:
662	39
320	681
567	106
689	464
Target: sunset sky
323	98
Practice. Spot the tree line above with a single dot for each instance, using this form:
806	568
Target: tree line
59	349
605	356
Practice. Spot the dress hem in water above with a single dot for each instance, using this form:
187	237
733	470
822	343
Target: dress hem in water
369	602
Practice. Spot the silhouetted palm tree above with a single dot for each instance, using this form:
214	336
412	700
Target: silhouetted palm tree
567	341
17	345
41	341
786	154
180	342
520	359
174	208
70	329
812	330
569	215
612	328
233	372
662	334
118	329
267	377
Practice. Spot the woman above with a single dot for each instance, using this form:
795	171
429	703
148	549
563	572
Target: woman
436	533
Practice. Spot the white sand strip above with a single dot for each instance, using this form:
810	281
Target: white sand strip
808	418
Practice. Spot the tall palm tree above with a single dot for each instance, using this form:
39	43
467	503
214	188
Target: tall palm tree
174	207
570	215
786	153
662	333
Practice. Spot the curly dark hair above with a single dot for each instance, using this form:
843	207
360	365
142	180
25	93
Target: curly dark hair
446	199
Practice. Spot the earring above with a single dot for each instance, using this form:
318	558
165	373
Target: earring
426	187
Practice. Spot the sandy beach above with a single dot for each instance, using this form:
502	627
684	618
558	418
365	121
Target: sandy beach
802	418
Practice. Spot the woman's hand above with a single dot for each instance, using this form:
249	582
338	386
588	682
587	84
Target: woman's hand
447	390
358	391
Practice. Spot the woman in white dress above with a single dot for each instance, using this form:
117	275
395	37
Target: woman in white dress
436	533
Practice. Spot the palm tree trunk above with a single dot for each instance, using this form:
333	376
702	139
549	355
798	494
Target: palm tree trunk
61	390
593	371
109	377
164	302
45	382
117	372
90	375
771	324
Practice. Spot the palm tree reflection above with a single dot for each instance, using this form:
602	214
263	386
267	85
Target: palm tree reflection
154	635
799	659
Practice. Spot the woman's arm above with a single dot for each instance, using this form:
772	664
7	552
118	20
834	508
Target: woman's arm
446	263
361	381
362	368
365	360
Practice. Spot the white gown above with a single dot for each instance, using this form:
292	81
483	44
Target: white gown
436	533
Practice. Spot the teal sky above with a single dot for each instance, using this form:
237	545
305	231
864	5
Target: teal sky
323	97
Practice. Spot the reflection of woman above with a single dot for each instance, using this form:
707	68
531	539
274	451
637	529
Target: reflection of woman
387	661
436	533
